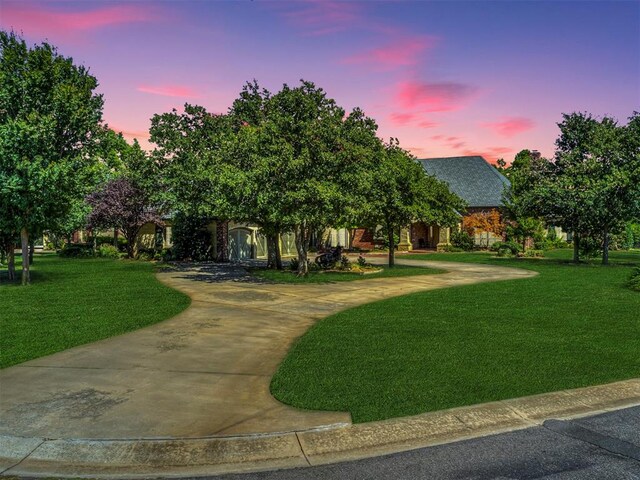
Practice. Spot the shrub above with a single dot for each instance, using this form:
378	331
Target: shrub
108	251
76	250
534	253
362	262
191	239
506	248
294	264
462	240
634	280
345	264
449	248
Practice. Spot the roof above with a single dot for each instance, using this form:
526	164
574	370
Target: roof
471	178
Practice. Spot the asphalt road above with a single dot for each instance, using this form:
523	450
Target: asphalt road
605	446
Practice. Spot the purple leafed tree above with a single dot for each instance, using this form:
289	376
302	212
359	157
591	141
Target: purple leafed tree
121	204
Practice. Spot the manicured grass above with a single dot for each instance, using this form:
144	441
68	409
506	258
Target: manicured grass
76	301
571	326
287	276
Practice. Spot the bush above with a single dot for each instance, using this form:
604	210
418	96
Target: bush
108	251
534	253
462	240
76	250
449	248
191	239
506	248
294	264
345	264
634	280
362	262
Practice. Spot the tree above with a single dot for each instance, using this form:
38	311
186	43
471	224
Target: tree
49	117
122	205
484	222
400	192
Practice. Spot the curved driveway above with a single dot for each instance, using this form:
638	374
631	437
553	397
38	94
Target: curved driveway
207	370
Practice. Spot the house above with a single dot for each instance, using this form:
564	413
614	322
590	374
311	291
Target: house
473	179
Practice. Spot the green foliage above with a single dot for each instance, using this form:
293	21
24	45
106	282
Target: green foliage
77	250
108	251
49	120
191	239
634	280
462	240
534	253
506	248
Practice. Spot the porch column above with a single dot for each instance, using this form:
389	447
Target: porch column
404	245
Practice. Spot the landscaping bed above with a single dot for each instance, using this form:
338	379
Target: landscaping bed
75	301
569	327
356	273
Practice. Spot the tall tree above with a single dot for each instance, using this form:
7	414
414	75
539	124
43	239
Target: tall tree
49	117
122	205
400	192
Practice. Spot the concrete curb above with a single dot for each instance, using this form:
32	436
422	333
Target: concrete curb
146	457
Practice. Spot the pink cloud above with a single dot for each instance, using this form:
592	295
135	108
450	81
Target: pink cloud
433	97
508	127
130	134
44	21
321	17
168	90
437	137
401	53
401	119
427	124
490	153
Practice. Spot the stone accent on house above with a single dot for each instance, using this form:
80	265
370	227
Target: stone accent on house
405	245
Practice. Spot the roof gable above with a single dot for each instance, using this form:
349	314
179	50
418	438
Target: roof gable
472	178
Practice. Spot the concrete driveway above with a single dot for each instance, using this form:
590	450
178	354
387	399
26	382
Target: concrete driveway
204	372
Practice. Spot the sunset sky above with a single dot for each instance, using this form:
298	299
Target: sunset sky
447	78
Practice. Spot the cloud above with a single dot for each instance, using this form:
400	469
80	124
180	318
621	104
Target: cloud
168	90
41	20
427	124
433	97
320	17
401	119
510	126
130	134
490	153
402	53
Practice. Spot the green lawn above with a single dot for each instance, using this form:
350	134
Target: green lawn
287	276
76	301
570	326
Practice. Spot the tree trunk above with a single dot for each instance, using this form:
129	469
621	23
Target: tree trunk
302	234
32	249
524	244
274	255
392	248
11	262
24	239
576	247
605	247
115	237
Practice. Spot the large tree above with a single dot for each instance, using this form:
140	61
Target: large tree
49	117
591	187
400	192
121	204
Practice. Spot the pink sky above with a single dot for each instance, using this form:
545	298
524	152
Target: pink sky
445	78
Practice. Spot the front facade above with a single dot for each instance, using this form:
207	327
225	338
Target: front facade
474	180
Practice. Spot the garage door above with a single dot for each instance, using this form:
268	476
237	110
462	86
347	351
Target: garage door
239	244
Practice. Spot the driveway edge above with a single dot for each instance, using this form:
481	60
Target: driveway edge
20	456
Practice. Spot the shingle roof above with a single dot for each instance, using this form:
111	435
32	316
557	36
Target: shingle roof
472	178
